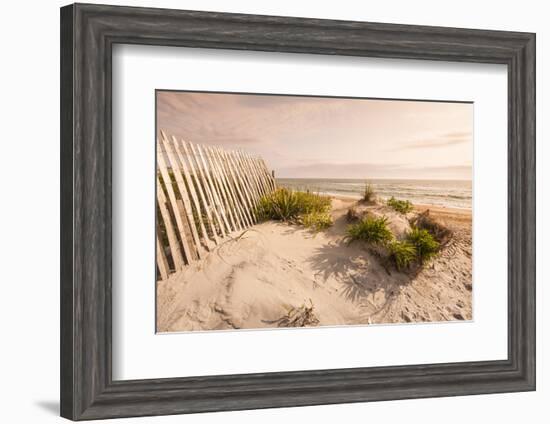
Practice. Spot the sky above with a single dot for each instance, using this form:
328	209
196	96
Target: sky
321	137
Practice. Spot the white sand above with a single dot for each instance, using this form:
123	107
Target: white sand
253	280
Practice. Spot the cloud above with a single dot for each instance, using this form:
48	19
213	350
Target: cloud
246	121
459	169
333	170
324	137
204	119
371	170
444	140
227	140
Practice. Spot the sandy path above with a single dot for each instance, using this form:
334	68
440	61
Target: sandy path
253	280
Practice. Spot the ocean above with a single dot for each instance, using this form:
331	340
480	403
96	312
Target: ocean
449	193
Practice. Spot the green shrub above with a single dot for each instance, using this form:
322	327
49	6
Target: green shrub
368	193
312	210
401	253
401	206
371	230
425	244
317	221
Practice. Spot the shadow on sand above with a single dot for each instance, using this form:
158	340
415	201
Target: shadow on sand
358	271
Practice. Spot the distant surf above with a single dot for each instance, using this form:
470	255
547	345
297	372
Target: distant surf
449	193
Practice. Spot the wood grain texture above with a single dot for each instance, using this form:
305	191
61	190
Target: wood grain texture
88	33
67	319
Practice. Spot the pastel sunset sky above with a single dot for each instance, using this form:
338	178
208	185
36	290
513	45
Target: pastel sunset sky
316	137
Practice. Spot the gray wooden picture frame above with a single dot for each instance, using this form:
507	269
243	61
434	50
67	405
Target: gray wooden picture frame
88	33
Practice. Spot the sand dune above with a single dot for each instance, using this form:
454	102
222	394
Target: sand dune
274	273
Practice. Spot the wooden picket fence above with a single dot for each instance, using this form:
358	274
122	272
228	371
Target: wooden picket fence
204	195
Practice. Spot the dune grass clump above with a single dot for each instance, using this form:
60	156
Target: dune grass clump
425	244
352	215
417	247
375	231
401	206
440	232
368	193
401	253
311	202
317	221
370	230
302	207
281	205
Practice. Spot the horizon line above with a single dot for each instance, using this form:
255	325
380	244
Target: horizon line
370	179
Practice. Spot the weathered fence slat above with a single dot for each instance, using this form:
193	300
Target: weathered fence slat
203	174
237	185
224	191
204	194
253	174
260	175
173	243
162	262
215	193
248	176
268	176
200	189
181	221
193	192
234	205
237	207
176	170
243	187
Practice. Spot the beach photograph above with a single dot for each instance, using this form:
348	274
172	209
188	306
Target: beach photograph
288	211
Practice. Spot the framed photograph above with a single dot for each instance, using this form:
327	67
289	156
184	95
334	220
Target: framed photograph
263	211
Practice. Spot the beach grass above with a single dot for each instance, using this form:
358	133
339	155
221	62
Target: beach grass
371	230
317	221
401	253
418	245
302	207
401	206
368	193
425	244
425	222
